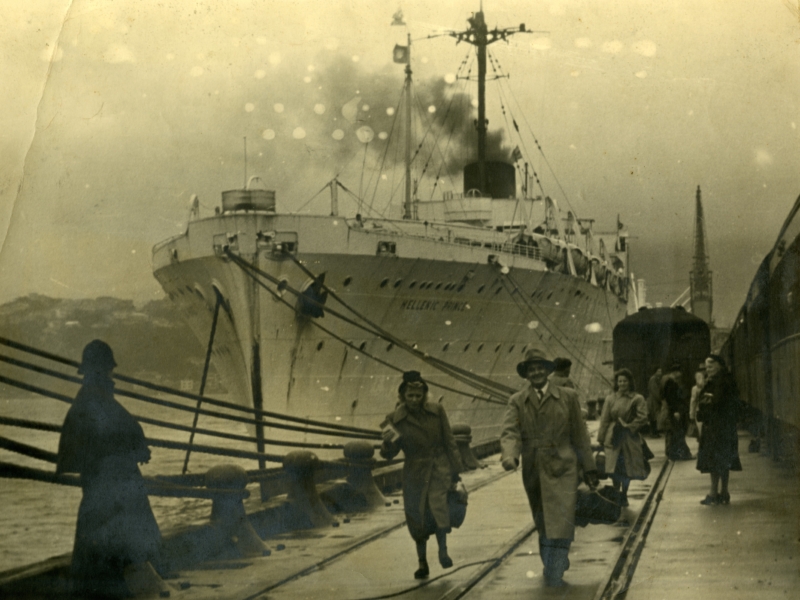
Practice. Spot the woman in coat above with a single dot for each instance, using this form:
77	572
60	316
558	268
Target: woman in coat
717	410
102	442
432	464
624	414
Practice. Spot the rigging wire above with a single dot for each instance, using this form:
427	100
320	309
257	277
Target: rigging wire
487	386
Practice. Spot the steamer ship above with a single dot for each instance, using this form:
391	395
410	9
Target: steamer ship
316	315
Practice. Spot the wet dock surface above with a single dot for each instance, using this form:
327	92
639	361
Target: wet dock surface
666	545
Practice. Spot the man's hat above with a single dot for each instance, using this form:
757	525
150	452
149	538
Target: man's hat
533	356
561	364
97	356
674	367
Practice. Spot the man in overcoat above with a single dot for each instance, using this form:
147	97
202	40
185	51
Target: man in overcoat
544	428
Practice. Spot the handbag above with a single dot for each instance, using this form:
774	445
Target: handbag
646	452
457	504
598	507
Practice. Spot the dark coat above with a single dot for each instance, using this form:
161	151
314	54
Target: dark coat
676	401
102	442
718	409
432	462
551	438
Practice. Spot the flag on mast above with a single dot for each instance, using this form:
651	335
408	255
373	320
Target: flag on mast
400	54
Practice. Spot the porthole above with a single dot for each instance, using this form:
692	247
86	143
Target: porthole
498	291
460	288
384	282
523	349
347	281
510	350
362	346
480	347
440	399
438	285
548	295
497	349
412	285
389	347
397	283
466	347
320	345
445	347
480	289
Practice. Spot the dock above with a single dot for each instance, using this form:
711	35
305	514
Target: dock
665	545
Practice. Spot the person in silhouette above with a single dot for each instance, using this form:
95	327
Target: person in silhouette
543	426
717	410
104	444
654	401
432	463
676	401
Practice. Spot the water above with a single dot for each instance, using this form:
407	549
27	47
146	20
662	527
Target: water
38	519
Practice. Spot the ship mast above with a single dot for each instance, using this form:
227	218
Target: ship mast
478	35
407	203
700	277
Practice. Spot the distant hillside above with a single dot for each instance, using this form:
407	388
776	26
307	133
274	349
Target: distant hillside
152	343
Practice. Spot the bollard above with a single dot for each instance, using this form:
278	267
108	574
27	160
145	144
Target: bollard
463	436
359	473
227	511
307	510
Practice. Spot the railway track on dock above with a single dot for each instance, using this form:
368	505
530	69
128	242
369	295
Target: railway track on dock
496	554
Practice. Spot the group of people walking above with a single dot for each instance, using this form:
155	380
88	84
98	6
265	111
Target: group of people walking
544	431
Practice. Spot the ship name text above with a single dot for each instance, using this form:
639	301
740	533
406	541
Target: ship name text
433	305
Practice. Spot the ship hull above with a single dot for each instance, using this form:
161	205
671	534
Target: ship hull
424	286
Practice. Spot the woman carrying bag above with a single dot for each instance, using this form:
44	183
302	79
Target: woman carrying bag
432	464
624	414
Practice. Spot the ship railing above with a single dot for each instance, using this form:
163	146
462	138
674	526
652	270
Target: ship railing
165	243
238	446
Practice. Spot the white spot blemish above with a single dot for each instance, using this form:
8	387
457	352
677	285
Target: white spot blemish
533	324
612	47
431	109
641	74
448	322
450	78
383	135
299	133
390	111
196	71
307	79
249	107
583	43
337	134
275	58
278	108
268	134
260	74
645	48
319	108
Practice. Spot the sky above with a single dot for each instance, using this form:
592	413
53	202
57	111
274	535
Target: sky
119	112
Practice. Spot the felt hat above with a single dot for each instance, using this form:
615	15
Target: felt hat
533	356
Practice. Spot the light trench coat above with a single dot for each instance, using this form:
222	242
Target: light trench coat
551	438
618	406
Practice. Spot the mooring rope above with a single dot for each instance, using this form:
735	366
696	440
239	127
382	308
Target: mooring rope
188	395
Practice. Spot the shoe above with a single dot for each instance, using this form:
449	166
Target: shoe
422	572
445	560
624	502
724	498
555	583
710	500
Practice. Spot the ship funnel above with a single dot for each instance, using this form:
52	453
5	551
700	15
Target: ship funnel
500	179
